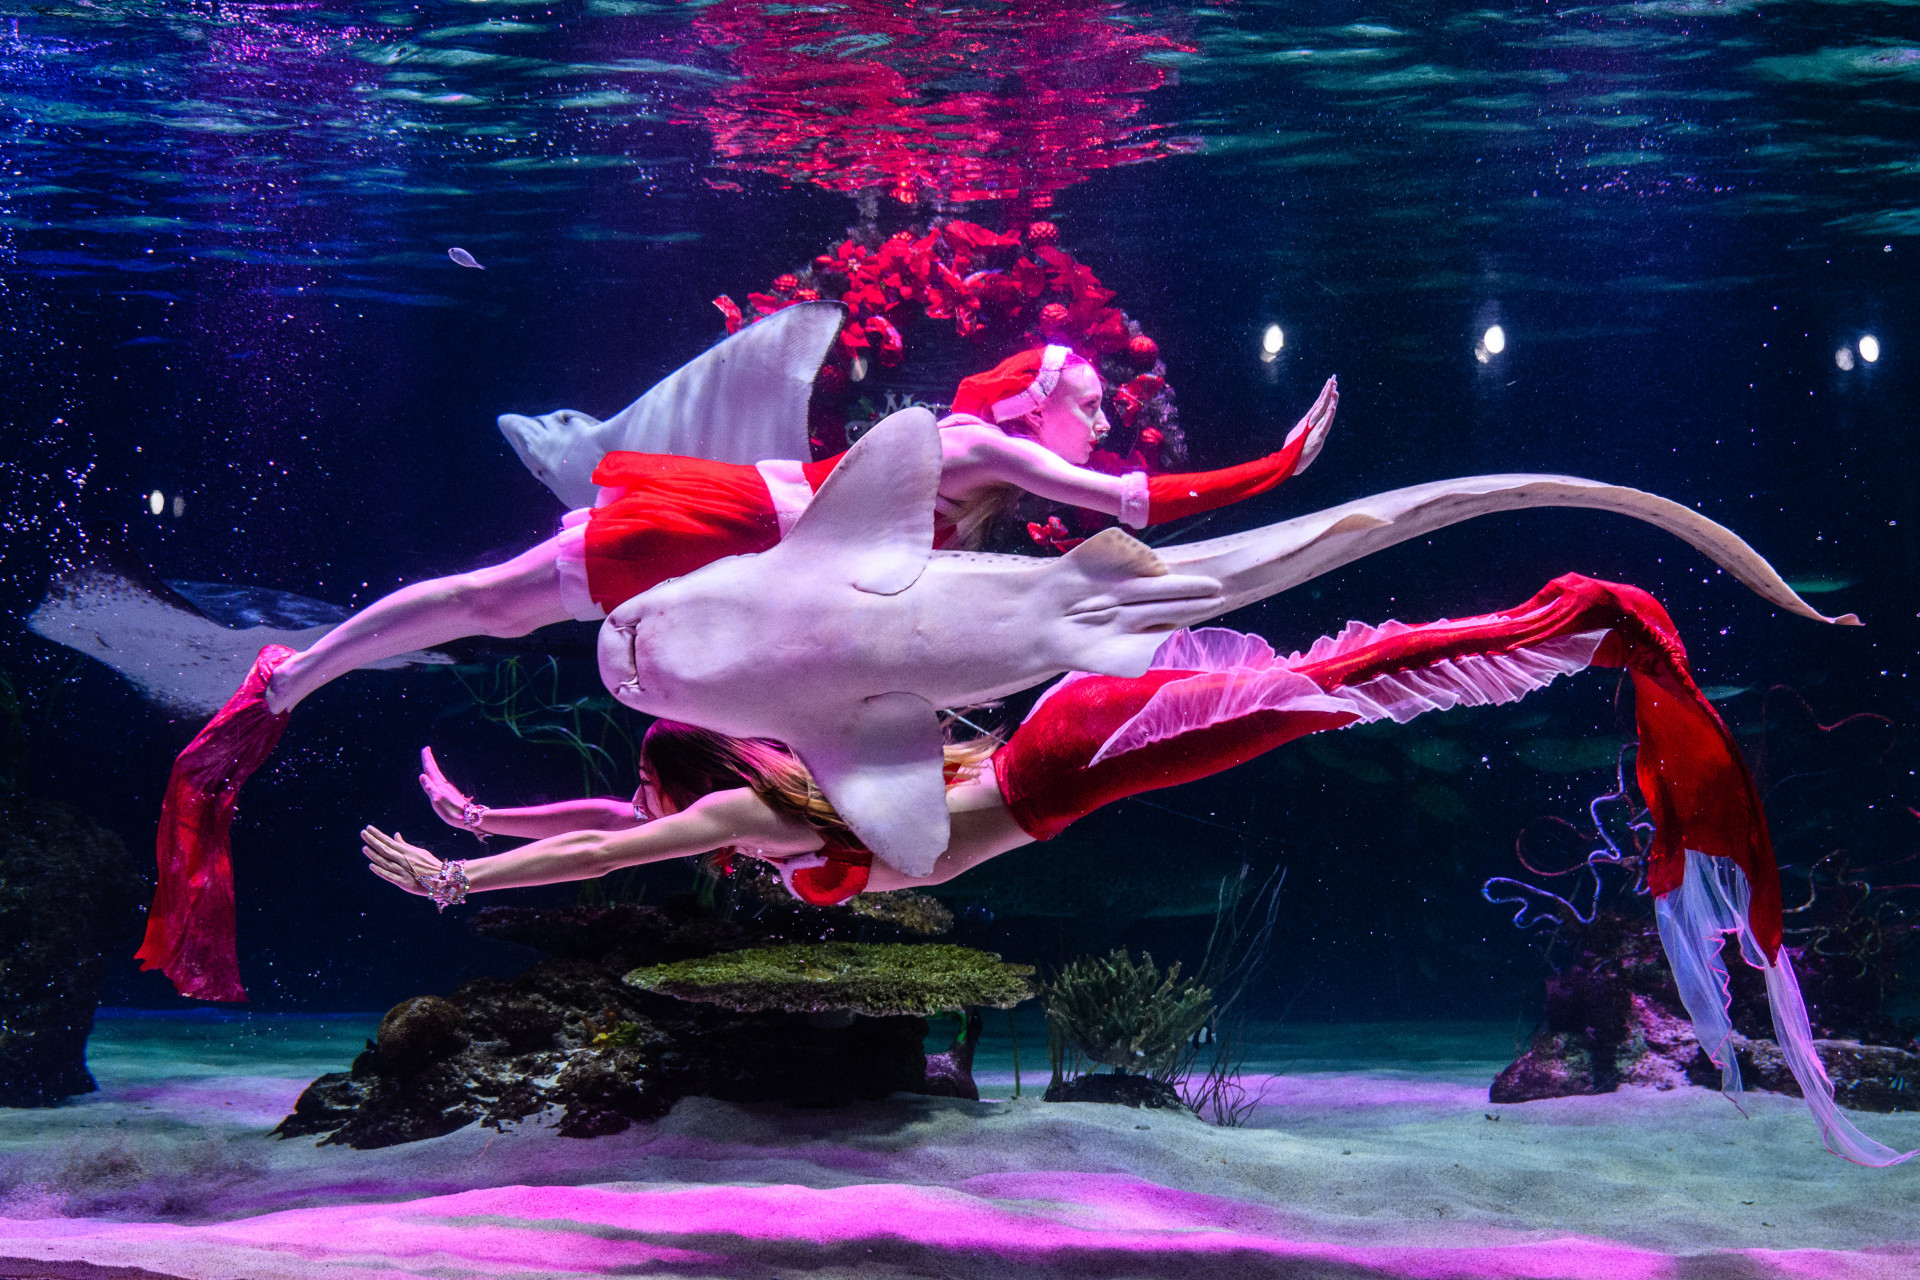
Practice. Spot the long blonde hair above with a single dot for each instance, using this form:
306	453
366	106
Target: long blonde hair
686	762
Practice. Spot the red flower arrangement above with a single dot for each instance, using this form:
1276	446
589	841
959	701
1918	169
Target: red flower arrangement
1003	292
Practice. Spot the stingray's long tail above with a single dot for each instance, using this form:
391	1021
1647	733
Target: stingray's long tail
1265	561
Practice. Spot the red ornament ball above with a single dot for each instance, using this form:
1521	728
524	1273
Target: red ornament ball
1053	316
831	379
1042	233
786	283
1143	351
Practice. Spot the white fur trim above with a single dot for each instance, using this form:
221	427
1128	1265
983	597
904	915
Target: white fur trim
1052	360
1134	499
570	569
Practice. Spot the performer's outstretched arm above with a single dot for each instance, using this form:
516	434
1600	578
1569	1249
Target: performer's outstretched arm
980	455
713	822
529	822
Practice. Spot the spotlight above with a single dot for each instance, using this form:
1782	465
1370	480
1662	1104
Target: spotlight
1844	358
1495	340
1869	348
1271	341
156	502
179	506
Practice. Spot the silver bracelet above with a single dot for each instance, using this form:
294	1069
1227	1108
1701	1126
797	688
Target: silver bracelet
446	886
472	814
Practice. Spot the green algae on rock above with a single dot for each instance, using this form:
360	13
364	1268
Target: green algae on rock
876	979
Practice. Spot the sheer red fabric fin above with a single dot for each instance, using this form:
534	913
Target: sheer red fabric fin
190	931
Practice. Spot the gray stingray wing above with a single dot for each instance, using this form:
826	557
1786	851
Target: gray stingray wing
874	513
884	773
742	401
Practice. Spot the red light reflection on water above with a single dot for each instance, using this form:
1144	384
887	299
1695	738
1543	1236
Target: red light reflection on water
960	103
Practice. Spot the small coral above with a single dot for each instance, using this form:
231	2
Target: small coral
1123	1014
420	1031
880	980
905	909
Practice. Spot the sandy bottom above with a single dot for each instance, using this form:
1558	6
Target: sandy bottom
1375	1153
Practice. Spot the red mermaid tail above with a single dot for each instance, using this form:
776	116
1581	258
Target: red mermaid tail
1217	698
190	929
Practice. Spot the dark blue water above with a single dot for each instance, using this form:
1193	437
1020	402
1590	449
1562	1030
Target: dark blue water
223	235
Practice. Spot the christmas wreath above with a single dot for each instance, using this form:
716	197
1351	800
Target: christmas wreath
1003	292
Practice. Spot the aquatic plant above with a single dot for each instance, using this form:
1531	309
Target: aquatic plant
1621	828
1133	1017
876	979
525	699
1237	949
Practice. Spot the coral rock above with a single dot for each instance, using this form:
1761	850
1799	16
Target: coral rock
874	979
419	1032
1125	1090
69	900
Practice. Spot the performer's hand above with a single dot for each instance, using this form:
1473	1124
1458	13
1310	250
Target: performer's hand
396	861
448	800
1315	425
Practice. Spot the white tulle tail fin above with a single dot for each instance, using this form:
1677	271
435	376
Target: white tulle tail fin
1710	903
1693	919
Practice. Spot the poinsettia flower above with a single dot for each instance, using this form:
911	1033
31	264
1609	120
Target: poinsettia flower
1030	276
1053	534
974	236
885	338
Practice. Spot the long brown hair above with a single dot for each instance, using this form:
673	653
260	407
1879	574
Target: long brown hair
687	762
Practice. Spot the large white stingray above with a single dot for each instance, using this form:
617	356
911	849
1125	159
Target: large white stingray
744	400
842	640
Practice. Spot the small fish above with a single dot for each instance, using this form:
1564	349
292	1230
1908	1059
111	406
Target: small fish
462	258
1820	586
1721	692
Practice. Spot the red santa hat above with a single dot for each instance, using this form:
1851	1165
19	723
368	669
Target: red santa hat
1017	385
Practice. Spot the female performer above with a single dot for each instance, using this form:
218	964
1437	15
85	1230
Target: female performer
1028	423
1214	699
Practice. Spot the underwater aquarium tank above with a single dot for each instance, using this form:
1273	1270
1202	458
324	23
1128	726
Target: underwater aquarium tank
721	637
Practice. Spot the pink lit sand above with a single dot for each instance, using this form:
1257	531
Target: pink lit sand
1356	1174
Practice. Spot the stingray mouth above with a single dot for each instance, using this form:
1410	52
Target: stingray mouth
620	656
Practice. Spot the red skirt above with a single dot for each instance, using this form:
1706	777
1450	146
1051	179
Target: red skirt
675	515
